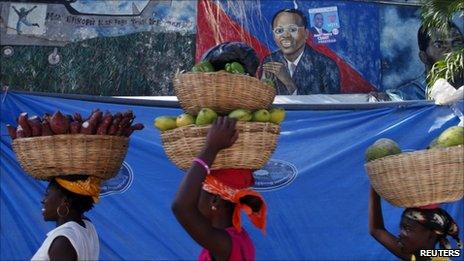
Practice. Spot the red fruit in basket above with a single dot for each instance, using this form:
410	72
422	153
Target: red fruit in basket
102	129
20	132
88	128
128	114
95	118
124	125
46	116
59	123
36	126
11	131
75	127
22	121
46	130
137	126
114	127
77	117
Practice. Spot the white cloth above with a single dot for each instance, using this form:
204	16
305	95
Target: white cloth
444	93
83	239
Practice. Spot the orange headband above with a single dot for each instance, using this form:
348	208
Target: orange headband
214	186
87	187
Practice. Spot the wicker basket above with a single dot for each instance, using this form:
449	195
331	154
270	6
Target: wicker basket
419	178
253	148
50	156
222	92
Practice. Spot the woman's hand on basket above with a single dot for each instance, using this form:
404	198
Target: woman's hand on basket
222	134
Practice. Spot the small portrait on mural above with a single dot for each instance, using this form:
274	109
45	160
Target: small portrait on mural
296	68
27	19
325	26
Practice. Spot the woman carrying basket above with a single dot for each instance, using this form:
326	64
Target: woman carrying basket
65	201
420	229
208	203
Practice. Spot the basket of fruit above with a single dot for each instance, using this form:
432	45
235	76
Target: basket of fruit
184	137
419	178
67	145
223	91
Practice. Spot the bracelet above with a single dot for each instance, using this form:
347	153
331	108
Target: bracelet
203	164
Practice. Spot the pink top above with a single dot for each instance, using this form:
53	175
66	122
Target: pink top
242	247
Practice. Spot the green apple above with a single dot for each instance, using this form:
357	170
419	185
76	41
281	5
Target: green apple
453	136
261	116
206	116
277	115
184	119
241	115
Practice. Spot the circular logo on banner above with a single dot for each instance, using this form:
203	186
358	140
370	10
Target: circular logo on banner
119	183
275	174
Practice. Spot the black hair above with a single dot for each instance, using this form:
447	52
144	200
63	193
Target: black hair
446	228
253	202
314	16
423	36
292	11
80	203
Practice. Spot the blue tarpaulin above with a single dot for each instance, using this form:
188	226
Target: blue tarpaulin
315	185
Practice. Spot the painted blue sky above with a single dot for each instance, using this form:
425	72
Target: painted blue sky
109	7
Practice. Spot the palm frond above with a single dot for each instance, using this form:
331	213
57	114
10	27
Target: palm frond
436	13
448	69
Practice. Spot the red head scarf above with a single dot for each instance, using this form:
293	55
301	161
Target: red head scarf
232	185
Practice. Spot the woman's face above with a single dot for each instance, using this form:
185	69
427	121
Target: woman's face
414	236
52	199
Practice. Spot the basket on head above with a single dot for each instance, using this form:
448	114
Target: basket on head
255	144
222	92
49	156
419	178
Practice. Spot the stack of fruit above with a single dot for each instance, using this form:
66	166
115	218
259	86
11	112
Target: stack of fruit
226	93
222	89
60	144
418	178
207	116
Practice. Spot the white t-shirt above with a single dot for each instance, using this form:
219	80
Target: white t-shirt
83	239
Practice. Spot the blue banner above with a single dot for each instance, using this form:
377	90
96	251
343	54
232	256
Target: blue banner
315	185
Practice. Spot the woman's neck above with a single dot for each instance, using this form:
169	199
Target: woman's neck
76	217
222	220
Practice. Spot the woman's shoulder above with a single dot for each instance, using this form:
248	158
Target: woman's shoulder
71	228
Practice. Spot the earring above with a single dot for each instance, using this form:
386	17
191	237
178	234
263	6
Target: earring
58	211
213	208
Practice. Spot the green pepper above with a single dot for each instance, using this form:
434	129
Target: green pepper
203	66
235	67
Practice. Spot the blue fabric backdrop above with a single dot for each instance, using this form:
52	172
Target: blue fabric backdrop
321	214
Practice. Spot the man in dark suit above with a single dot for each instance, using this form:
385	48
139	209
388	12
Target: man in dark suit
318	21
296	68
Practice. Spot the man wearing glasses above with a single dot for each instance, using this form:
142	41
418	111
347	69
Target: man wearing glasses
296	68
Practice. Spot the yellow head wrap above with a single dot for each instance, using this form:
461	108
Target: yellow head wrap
87	187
